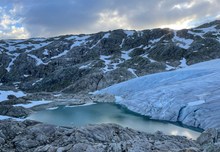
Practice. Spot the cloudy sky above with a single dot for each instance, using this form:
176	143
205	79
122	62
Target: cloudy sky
45	18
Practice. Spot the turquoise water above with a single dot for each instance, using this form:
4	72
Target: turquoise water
109	113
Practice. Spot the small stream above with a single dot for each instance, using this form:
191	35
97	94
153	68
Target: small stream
110	113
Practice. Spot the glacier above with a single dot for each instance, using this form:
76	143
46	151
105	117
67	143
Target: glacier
190	95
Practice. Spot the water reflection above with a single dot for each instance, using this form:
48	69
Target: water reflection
109	113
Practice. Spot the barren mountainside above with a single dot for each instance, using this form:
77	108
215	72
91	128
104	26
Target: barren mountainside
83	63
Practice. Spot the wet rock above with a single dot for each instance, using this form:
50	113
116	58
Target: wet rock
208	136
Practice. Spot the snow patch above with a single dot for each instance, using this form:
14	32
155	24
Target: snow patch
46	52
107	61
79	41
182	42
38	60
85	66
86	104
52	108
33	103
155	40
202	31
146	56
122	43
57	95
133	72
37	81
183	63
168	67
106	36
15	55
125	54
59	55
207	29
4	94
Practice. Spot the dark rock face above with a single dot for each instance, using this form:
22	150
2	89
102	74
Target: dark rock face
83	63
33	136
13	111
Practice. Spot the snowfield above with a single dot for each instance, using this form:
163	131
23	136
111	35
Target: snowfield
190	95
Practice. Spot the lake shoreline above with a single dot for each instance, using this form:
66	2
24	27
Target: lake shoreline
78	100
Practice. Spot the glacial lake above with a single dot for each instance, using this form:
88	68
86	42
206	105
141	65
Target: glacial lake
110	113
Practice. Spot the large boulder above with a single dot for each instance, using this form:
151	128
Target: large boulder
14	111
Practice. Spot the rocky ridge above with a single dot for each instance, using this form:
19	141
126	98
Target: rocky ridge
83	63
33	136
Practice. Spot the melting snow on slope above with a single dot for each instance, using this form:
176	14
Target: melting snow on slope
175	95
15	55
38	60
85	66
46	52
4	94
125	54
168	67
183	63
105	36
79	41
201	31
59	55
207	29
146	56
155	40
133	72
39	80
122	43
21	44
182	42
107	62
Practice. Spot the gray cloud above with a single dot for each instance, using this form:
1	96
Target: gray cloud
55	17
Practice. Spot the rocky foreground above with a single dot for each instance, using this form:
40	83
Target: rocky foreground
32	136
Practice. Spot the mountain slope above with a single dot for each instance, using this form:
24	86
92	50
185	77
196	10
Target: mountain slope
76	63
190	95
